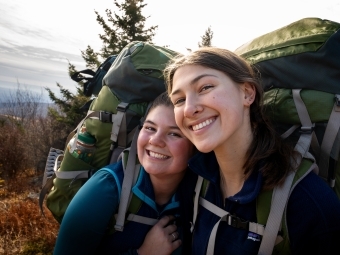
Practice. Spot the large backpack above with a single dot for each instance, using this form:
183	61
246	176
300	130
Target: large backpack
299	66
133	81
300	73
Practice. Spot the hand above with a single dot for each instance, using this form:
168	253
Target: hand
161	239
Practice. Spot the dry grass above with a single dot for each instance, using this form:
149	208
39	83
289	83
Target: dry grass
23	229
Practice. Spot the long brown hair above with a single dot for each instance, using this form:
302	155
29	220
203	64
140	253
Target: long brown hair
267	149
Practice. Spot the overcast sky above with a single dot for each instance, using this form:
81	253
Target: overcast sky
38	37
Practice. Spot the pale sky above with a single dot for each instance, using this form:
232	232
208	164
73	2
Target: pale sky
37	37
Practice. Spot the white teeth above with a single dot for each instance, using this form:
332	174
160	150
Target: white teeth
202	125
157	155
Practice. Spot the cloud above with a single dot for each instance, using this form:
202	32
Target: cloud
36	68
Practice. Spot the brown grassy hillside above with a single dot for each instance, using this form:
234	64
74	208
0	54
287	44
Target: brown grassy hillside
23	229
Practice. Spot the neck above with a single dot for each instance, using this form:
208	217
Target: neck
231	183
165	187
231	160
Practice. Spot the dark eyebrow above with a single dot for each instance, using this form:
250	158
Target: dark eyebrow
153	123
193	82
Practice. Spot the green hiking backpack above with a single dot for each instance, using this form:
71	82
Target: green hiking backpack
300	73
299	66
133	81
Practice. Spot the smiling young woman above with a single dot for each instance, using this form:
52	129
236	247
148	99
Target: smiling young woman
164	187
218	105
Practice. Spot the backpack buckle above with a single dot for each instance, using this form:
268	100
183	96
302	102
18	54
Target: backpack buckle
122	107
307	130
91	172
237	222
105	116
337	100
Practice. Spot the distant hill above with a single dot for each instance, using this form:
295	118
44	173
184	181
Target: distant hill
7	108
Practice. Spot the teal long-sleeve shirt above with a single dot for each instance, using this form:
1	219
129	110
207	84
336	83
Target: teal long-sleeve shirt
84	227
88	215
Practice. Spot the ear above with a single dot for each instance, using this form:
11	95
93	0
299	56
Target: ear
249	93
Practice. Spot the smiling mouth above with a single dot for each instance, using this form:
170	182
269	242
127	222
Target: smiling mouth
157	155
202	124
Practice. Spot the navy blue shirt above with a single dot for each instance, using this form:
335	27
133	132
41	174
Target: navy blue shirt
313	214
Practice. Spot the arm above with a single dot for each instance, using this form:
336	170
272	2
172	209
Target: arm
86	218
313	218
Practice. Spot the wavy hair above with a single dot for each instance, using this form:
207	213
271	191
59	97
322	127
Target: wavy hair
267	149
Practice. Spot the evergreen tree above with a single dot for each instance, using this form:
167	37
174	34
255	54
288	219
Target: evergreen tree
206	38
119	30
122	27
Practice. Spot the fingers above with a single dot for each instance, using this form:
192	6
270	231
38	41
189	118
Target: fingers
176	244
165	220
174	236
163	238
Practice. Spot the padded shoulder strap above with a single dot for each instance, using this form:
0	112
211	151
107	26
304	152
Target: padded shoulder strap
330	138
270	208
196	197
130	174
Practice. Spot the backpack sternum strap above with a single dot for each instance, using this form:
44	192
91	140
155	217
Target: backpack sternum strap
142	219
231	220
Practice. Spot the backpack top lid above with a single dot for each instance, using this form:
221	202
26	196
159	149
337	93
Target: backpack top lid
310	32
137	73
302	55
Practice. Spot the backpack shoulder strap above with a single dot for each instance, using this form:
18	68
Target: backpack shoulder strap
131	173
265	209
269	209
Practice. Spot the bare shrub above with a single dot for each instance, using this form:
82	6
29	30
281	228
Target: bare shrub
23	230
26	136
12	150
26	132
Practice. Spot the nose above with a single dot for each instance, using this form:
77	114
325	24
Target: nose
157	140
192	107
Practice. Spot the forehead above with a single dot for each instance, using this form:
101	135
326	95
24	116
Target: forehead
189	75
161	112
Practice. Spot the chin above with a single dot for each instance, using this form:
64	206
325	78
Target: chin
204	148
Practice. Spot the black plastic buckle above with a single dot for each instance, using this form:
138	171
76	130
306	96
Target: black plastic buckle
307	130
337	100
91	172
122	107
237	222
105	116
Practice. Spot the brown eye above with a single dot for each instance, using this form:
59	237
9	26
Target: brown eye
206	87
178	101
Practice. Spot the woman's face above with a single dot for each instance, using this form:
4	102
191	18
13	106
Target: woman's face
211	109
163	150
